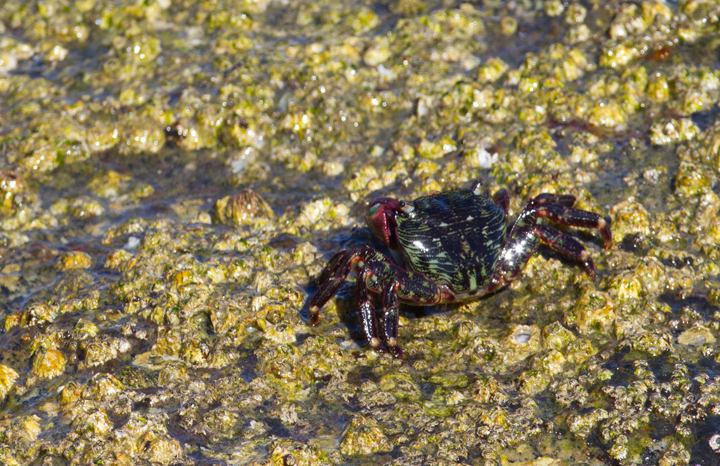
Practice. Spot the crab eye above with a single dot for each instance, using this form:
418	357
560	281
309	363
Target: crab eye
406	208
477	188
373	209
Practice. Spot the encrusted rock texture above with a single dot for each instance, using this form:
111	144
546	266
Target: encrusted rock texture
174	174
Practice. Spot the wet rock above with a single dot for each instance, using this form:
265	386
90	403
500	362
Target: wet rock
8	376
173	374
520	342
135	378
7	457
48	363
557	337
109	185
691	180
280	333
593	312
321	214
283	452
659	90
74	260
147	438
382	99
673	131
34	314
617	55
101	350
554	8
698	335
116	259
364	437
96	423
12	51
551	362
651	274
24	430
402	386
488	390
583	424
629	21
629	218
492	70
143	135
14	194
625	287
378	52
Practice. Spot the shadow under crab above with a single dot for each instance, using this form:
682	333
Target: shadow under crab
455	247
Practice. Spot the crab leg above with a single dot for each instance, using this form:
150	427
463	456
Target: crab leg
502	200
564	215
530	230
562	199
519	248
567	245
333	275
367	312
375	274
394	283
390	314
391	318
336	272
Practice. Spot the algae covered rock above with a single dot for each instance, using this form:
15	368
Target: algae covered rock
174	175
673	131
520	342
284	452
364	436
698	335
74	260
593	312
48	363
629	218
14	193
8	376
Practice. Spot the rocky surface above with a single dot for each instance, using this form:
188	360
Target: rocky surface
174	174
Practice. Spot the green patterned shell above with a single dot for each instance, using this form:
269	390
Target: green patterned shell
454	238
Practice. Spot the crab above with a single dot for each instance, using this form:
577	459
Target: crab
448	247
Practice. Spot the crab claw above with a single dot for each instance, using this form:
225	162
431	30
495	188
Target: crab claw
380	217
